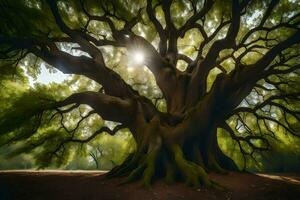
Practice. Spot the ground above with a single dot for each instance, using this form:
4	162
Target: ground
64	185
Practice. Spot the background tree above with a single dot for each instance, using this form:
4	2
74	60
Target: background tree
200	66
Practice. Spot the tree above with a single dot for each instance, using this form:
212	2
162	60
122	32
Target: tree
231	66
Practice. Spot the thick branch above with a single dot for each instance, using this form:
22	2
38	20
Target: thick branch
109	107
111	81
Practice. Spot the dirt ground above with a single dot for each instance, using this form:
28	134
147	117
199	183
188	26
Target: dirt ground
32	185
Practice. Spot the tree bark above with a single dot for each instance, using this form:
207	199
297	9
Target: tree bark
185	152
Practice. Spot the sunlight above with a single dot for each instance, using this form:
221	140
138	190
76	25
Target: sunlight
138	57
280	177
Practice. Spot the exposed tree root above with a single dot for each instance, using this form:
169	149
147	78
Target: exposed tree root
192	173
168	163
213	165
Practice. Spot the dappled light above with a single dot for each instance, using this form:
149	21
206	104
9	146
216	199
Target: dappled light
290	178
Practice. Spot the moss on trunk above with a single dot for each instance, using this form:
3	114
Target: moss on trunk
168	162
158	155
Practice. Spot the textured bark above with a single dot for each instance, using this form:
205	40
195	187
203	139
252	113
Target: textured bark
185	152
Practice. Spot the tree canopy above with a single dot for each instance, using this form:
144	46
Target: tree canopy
179	75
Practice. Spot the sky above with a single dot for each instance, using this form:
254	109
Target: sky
45	77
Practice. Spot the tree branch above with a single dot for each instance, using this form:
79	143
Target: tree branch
160	30
191	22
197	85
109	107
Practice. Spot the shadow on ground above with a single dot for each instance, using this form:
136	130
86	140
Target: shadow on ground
30	185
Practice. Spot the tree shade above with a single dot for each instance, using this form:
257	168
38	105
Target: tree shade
173	73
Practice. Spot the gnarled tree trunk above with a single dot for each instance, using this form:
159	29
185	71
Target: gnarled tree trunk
160	155
186	150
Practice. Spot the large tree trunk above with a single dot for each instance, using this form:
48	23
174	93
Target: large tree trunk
185	150
162	152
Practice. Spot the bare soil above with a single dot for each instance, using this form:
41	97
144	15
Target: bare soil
43	185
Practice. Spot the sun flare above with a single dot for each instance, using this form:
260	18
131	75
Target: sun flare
138	57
